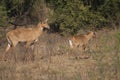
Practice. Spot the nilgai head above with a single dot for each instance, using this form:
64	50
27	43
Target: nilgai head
44	24
93	35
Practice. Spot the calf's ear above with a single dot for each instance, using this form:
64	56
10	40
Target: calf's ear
46	20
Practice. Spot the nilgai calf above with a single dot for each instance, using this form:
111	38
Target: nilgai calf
81	40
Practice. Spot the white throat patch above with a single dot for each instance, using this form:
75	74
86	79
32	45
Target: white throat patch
41	28
8	45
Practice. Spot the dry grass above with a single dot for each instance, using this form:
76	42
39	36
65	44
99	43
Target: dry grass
52	59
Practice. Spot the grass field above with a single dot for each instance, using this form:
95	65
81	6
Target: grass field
52	59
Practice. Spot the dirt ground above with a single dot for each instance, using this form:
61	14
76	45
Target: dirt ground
52	59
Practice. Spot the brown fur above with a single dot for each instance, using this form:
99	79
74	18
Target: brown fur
28	35
81	40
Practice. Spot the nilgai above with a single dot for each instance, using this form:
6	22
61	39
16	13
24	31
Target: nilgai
28	35
81	40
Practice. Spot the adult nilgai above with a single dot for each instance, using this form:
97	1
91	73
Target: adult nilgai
27	35
81	40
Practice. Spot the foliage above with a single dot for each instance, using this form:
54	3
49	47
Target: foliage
74	15
3	13
111	11
69	15
39	10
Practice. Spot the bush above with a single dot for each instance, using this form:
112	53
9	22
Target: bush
74	15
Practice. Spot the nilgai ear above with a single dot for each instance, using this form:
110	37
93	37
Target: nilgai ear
95	33
40	22
46	20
